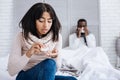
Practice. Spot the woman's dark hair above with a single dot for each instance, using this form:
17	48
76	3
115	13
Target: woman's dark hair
28	22
81	20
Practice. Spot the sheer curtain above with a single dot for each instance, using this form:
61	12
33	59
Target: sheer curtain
6	26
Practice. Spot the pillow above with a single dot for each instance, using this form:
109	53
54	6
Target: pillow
4	62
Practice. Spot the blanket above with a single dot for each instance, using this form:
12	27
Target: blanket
88	64
83	63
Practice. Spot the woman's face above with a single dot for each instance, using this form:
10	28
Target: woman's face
44	24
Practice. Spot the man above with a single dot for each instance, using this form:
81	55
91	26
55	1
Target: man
82	36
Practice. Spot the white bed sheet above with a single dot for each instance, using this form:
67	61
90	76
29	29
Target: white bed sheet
93	62
3	69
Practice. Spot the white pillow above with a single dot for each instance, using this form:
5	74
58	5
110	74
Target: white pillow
4	62
4	75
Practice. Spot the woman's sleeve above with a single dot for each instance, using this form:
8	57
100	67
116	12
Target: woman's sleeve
59	43
17	61
91	41
59	48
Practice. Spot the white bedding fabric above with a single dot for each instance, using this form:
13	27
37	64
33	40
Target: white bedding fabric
92	62
4	75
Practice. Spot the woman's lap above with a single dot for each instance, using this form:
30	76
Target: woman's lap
44	70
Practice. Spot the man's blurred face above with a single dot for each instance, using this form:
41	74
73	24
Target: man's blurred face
82	24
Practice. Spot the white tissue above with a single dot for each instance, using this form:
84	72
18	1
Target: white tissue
44	49
82	31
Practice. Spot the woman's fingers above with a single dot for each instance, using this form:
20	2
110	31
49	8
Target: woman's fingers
54	51
37	51
49	54
36	47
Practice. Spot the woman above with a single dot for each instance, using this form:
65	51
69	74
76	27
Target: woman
36	48
82	37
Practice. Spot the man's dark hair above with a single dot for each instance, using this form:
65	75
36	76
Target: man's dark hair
81	20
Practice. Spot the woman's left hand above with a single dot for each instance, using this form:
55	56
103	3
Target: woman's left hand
53	53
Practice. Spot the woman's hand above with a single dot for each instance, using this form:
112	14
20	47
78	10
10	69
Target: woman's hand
35	49
53	53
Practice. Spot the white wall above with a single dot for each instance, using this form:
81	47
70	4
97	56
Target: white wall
6	26
88	9
11	11
110	26
20	7
68	11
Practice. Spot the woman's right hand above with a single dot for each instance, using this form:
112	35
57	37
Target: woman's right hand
35	49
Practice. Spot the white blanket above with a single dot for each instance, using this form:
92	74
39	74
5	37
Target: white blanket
92	62
4	75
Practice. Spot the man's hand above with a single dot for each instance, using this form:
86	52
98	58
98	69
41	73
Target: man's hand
86	31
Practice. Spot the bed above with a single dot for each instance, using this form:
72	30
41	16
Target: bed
3	69
92	63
